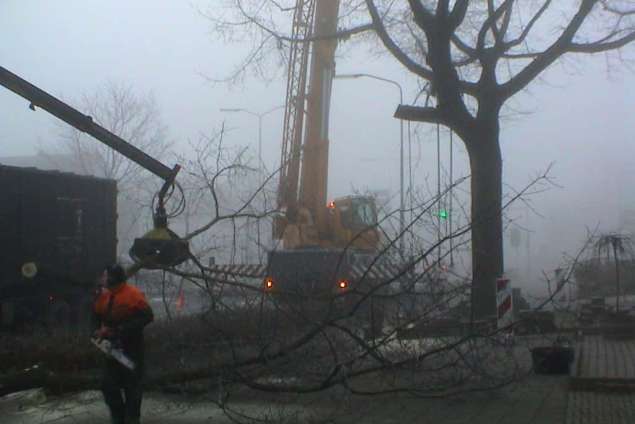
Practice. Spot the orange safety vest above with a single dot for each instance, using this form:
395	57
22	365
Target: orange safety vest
126	301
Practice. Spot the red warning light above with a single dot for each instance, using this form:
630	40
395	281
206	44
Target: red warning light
268	283
342	284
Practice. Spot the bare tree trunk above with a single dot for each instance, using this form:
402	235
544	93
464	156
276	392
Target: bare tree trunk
487	224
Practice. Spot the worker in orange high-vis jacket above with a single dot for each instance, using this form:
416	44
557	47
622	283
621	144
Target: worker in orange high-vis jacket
121	312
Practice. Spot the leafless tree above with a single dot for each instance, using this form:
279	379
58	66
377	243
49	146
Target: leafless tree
219	196
306	343
471	59
132	116
598	273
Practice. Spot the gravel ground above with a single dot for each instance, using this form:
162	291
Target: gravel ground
536	400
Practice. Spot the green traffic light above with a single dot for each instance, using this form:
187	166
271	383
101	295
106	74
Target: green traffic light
443	214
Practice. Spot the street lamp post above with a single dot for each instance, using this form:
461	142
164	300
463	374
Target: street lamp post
402	224
260	116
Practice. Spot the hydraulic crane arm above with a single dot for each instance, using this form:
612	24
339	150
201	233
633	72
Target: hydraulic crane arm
304	157
158	248
295	109
54	106
314	178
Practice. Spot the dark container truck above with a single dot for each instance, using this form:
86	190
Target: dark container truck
57	231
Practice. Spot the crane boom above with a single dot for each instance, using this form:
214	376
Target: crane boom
304	159
85	123
316	144
295	101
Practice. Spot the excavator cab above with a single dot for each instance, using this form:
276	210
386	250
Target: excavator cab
352	222
357	212
347	222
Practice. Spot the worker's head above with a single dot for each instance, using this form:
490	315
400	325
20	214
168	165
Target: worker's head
115	275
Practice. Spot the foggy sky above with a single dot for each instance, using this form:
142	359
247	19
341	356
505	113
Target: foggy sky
580	117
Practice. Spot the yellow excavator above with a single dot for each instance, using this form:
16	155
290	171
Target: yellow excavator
309	220
330	249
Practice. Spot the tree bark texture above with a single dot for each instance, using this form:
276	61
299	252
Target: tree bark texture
487	224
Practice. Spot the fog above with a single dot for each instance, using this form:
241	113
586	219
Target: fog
578	117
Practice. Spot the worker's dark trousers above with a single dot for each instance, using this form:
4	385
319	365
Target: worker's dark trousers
117	379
